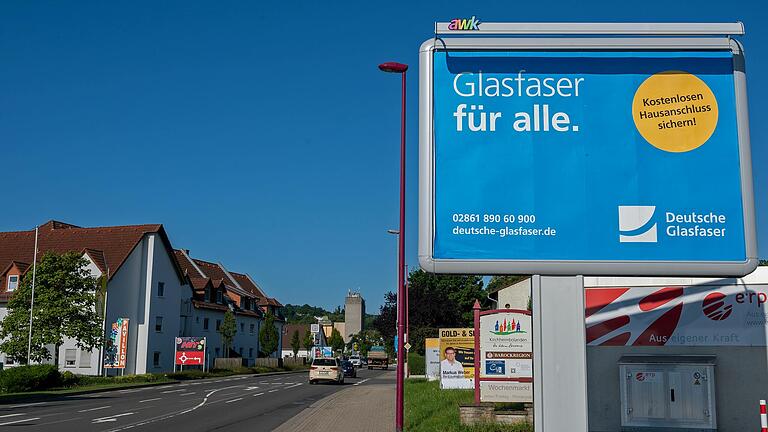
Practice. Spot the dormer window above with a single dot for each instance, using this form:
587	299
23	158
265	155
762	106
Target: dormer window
207	294
13	282
219	297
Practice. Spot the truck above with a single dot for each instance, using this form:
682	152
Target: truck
378	357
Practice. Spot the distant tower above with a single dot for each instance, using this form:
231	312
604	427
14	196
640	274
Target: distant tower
354	314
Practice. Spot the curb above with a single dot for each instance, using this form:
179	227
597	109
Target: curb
48	397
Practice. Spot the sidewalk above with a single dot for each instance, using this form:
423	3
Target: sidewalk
369	407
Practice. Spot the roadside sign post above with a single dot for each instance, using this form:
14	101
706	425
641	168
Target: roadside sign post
621	151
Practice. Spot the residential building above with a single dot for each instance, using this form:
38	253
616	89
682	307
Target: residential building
289	329
144	285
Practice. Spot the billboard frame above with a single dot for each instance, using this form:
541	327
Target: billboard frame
581	267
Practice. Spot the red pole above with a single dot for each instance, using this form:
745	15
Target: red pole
401	288
476	310
763	417
400	283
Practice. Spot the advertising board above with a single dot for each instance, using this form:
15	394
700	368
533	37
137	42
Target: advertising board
432	358
457	358
576	156
116	347
190	350
505	339
699	315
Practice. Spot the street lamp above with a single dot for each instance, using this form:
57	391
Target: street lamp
400	68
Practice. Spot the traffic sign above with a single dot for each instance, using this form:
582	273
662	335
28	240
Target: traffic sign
407	346
585	156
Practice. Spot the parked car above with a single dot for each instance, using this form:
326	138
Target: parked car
349	369
326	369
355	359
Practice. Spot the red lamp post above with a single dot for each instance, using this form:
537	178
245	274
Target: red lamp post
400	68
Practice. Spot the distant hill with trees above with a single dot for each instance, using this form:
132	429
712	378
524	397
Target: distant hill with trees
305	314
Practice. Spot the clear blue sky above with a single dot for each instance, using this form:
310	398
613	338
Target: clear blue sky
260	133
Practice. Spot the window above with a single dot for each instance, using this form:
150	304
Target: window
13	282
158	324
241	351
207	294
156	359
70	356
205	324
250	352
219	297
160	289
218	325
253	327
8	361
242	327
85	359
197	320
218	351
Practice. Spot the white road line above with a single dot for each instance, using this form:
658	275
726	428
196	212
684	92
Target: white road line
360	382
174	391
165	386
20	421
187	394
110	418
12	415
295	385
259	394
26	405
249	388
149	400
96	409
233	400
165	417
272	391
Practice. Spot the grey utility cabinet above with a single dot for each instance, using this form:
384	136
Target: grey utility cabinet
667	393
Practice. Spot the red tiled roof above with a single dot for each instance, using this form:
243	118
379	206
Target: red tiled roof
114	243
288	330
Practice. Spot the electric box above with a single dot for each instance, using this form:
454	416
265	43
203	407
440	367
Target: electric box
667	393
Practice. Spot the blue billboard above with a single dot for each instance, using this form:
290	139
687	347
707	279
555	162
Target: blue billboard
613	156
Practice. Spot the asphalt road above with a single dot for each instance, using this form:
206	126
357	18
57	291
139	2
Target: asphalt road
253	403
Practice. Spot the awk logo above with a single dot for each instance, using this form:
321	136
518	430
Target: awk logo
464	24
714	307
636	224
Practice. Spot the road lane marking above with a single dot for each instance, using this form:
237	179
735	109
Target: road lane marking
112	418
20	421
272	391
165	386
26	405
149	400
234	400
96	409
187	394
12	415
258	394
360	382
249	388
295	385
174	391
166	417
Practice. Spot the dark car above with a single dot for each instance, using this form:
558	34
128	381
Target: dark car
349	369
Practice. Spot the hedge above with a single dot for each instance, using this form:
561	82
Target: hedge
29	378
416	364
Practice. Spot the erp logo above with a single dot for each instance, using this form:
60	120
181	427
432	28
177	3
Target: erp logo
636	224
494	367
715	308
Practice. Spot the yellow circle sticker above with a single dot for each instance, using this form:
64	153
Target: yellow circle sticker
675	111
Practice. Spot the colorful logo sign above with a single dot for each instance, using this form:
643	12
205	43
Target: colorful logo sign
116	346
464	24
505	327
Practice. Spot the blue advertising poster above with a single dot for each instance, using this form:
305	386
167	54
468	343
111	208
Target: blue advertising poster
586	156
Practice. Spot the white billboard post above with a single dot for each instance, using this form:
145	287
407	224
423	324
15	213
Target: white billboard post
601	149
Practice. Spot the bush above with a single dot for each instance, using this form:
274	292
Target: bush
416	364
29	378
187	375
68	379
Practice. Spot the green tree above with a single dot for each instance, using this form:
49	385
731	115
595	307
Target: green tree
307	341
295	343
228	330
268	336
336	341
65	307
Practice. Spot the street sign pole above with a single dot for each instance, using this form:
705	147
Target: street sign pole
560	354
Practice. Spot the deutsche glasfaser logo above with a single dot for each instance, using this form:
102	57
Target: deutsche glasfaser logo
636	224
